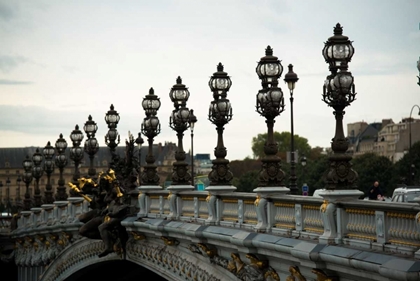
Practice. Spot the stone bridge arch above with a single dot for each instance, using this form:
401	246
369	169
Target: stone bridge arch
145	257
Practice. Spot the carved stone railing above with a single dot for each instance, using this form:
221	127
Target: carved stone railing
384	226
42	233
391	228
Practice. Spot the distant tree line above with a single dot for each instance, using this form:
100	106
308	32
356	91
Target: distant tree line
370	167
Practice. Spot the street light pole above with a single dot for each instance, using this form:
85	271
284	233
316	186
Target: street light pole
192	121
139	142
409	125
291	78
220	113
37	172
61	162
338	93
48	153
91	144
27	178
179	122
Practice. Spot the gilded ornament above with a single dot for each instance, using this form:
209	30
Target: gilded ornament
257	201
324	206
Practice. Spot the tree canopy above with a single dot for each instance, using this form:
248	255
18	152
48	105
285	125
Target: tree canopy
283	140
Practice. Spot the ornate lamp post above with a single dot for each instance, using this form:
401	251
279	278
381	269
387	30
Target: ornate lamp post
192	120
91	144
179	122
270	103
27	178
9	209
48	152
139	142
112	138
409	125
61	162
37	172
291	78
220	113
76	152
150	128
339	92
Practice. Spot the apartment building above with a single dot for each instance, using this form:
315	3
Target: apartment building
387	138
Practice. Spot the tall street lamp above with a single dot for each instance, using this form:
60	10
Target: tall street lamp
48	152
291	78
1	191
61	162
178	121
220	113
139	142
27	179
112	138
338	93
91	144
192	120
150	128
270	103
9	207
409	125
37	172
76	152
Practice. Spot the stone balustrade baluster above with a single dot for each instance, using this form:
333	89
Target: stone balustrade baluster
48	213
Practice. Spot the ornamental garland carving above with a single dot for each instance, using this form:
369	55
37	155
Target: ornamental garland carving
41	250
170	260
257	269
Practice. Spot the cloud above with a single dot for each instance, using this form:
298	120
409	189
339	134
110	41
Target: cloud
14	82
6	12
8	63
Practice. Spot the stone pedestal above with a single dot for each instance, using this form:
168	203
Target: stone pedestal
214	203
174	200
329	212
262	207
143	202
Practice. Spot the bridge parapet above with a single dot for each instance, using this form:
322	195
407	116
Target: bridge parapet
376	225
361	226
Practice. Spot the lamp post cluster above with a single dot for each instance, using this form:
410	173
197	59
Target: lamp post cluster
27	179
91	143
76	152
339	92
150	128
48	152
112	138
270	104
220	113
179	122
37	172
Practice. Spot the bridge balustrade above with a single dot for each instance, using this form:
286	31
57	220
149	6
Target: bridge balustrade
384	226
390	228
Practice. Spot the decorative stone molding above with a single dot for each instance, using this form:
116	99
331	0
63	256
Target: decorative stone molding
257	270
174	263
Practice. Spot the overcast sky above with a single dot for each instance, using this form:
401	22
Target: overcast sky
63	60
